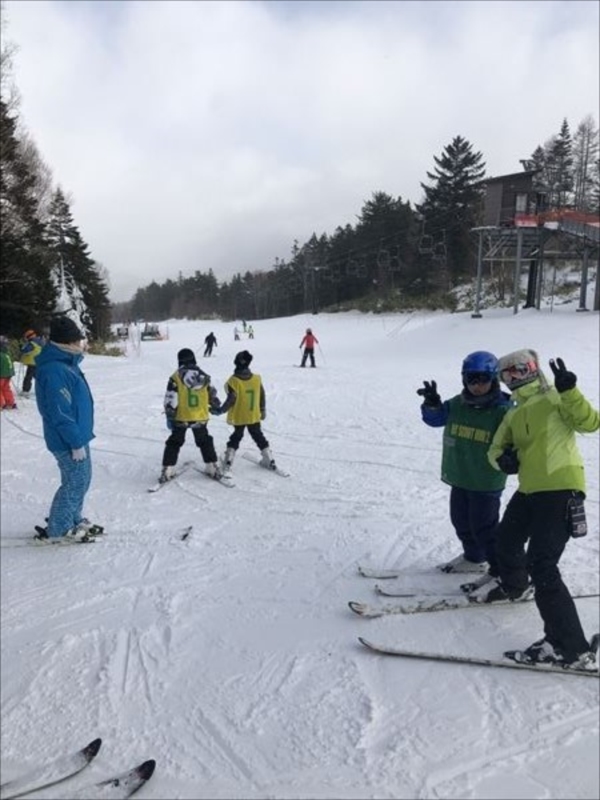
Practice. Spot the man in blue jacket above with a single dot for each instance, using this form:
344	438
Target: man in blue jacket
65	402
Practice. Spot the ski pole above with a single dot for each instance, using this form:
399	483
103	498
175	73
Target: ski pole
322	354
20	375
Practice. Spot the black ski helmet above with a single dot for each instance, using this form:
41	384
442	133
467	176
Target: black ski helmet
186	357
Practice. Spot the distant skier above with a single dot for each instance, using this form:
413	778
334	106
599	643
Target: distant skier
7	371
308	342
209	342
246	406
188	399
236	333
30	349
250	332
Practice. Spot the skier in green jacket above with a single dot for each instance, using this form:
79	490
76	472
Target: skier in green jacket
536	441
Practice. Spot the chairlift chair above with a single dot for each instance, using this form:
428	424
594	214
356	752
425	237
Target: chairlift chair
426	245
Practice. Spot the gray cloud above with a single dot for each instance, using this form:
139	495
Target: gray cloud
197	135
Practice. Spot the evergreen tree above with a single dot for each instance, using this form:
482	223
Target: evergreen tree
559	161
74	267
27	292
452	205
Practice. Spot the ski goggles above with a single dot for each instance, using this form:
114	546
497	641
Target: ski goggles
473	378
518	374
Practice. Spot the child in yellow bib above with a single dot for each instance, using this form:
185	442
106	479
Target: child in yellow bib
246	407
188	401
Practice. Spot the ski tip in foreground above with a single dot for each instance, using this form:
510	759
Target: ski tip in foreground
366	643
91	751
146	770
358	608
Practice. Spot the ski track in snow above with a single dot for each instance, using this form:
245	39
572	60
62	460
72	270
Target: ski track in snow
231	657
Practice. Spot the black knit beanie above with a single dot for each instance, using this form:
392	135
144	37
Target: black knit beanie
243	359
64	331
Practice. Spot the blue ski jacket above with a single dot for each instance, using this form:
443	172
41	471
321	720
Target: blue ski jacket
64	399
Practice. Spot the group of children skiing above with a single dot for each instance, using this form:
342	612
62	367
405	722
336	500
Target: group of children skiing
189	401
488	435
530	433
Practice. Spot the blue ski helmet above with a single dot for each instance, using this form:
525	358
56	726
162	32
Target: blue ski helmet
481	362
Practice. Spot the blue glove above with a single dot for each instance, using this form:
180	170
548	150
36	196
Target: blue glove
170	423
216	411
508	461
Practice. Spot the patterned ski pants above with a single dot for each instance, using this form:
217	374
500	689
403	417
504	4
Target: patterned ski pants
67	505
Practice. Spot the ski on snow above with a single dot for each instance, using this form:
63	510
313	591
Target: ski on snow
55	771
224	479
277	471
60	769
159	485
386	574
390	650
402	588
118	787
418	604
42	538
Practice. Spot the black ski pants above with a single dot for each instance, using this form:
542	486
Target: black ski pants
202	437
208	350
531	538
255	432
309	352
28	378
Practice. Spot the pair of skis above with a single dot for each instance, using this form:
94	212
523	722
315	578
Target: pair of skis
225	479
119	786
416	601
421	601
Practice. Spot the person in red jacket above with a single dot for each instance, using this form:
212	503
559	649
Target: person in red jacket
308	342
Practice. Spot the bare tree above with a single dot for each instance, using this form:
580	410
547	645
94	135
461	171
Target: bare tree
8	89
585	164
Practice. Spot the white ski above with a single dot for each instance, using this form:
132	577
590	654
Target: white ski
385	574
119	787
255	460
399	590
55	771
225	480
474	661
418	604
176	474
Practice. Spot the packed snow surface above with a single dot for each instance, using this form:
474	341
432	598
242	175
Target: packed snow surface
231	656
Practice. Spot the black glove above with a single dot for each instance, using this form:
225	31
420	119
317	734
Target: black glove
216	410
563	379
508	461
430	394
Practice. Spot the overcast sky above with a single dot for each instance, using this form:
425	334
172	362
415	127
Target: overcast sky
196	135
